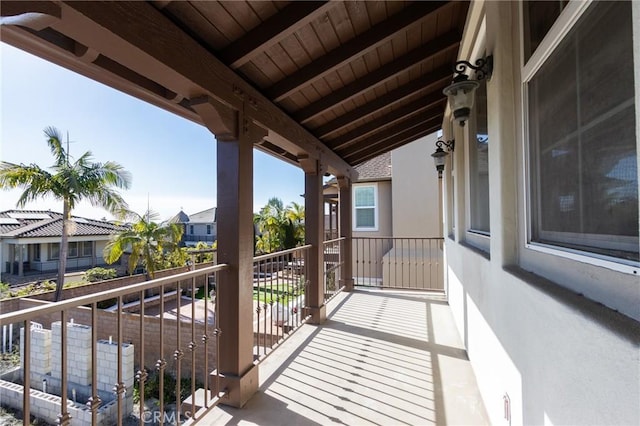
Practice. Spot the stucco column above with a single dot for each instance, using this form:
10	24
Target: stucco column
235	136
314	235
345	228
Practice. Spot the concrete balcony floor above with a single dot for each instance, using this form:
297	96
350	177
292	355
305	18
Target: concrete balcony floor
382	358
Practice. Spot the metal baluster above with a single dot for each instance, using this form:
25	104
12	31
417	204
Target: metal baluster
120	388
141	375
63	417
26	369
161	364
193	346
205	341
178	354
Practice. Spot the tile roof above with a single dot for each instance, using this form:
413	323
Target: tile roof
33	224
378	168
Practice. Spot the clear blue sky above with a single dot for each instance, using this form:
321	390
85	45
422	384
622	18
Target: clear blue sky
172	160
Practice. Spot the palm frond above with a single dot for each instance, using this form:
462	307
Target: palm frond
54	139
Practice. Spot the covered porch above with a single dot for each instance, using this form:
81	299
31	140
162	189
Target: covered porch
382	357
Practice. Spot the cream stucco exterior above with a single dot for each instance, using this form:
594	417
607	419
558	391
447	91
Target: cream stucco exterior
553	335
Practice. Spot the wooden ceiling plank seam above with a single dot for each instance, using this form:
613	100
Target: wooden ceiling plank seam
403	128
395	145
189	18
272	31
357	46
242	14
219	18
436	81
399	140
443	44
136	33
415	107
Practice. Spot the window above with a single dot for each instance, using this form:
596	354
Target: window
54	250
87	249
191	229
582	138
73	250
479	163
208	229
36	252
539	16
365	204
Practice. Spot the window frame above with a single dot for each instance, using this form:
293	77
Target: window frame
565	22
51	256
375	207
209	229
83	253
69	255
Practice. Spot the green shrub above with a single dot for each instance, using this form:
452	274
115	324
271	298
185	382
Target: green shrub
99	274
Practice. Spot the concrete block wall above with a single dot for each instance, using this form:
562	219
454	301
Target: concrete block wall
47	407
108	365
40	354
78	353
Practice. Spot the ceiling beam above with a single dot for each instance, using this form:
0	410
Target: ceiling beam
139	37
383	135
434	101
394	143
284	23
411	125
356	47
434	82
379	76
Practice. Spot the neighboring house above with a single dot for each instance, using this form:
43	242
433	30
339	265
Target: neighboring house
30	241
197	227
395	199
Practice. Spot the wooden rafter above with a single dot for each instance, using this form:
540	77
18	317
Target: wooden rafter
434	81
293	17
433	101
356	47
379	76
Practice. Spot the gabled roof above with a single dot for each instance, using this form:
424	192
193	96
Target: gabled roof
378	168
205	216
40	223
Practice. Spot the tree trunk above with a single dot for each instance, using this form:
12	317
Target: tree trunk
64	248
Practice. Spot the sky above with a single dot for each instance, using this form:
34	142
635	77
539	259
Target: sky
172	160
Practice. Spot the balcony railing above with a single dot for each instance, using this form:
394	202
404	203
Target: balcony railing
204	237
92	361
408	263
280	284
333	261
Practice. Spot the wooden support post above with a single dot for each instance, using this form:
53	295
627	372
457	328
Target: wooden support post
345	228
235	136
314	235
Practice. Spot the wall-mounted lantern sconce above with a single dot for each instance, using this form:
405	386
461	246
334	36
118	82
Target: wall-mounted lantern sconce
440	154
462	90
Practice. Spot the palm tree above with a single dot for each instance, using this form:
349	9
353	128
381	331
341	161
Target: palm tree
148	241
68	182
295	214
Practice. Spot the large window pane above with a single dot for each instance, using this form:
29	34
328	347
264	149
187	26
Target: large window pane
365	218
479	164
365	197
582	135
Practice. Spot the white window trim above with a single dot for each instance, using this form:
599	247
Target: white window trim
376	204
565	22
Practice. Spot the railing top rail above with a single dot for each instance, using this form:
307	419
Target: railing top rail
26	314
398	238
280	253
335	240
209	250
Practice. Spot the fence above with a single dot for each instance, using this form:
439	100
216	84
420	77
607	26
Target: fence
75	360
332	253
407	263
280	285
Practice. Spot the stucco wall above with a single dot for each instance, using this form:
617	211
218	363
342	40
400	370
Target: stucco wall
415	190
557	336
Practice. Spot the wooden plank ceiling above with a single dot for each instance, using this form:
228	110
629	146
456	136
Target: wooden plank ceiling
352	79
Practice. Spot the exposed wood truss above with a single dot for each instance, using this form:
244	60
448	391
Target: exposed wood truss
334	81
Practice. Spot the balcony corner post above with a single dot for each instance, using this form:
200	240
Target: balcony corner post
314	235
